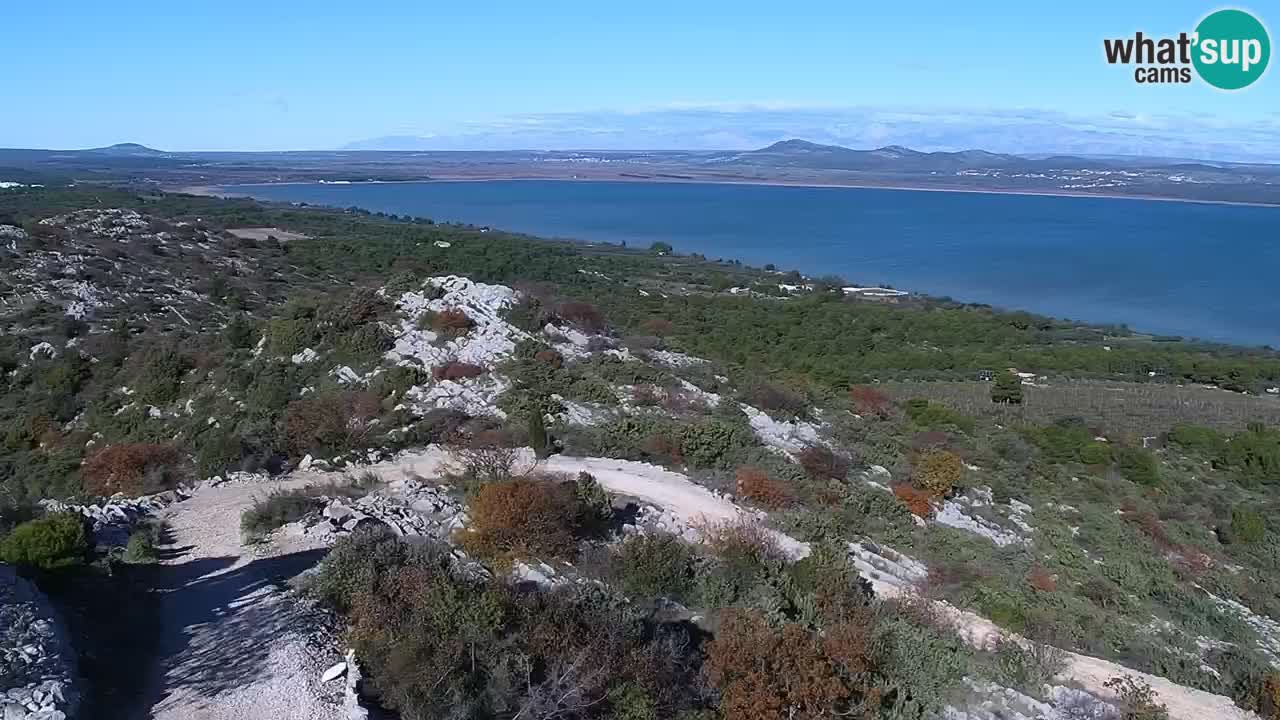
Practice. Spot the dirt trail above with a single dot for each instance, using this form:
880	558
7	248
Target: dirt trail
233	644
676	493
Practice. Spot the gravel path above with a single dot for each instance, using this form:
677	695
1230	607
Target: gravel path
234	645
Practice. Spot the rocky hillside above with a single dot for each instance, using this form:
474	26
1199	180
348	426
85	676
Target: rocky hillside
570	432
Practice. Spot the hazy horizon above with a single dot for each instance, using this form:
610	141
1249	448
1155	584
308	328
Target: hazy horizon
713	76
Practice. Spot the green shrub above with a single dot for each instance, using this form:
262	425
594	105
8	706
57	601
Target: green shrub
270	388
595	509
1063	441
238	332
159	377
1198	438
711	444
141	548
279	508
934	415
218	451
629	701
1255	454
394	382
362	344
1138	466
47	543
1247	526
654	565
1095	452
287	336
1026	665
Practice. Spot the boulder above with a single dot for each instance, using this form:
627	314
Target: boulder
334	672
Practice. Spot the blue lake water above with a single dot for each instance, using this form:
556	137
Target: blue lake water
1196	270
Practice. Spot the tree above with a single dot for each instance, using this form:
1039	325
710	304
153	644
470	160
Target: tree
661	248
538	435
239	332
1007	390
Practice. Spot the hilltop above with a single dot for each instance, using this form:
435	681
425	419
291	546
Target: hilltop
127	150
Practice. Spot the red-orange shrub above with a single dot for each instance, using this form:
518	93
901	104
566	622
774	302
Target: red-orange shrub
765	673
456	370
661	446
756	485
1269	703
870	401
645	396
452	323
522	517
584	315
131	468
660	327
916	500
549	357
1041	579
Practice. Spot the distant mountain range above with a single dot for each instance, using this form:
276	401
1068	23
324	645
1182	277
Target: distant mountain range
792	161
801	153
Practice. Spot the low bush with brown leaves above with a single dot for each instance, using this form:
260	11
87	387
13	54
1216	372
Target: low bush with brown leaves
132	469
456	370
756	485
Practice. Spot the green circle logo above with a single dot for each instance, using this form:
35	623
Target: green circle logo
1232	49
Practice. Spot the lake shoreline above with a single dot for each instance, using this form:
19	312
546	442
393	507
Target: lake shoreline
1098	263
226	191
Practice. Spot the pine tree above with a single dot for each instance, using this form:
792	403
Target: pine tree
538	434
1007	390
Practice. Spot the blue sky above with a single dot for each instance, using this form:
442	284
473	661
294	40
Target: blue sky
279	74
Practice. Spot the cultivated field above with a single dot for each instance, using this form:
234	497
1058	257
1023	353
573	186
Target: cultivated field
1117	407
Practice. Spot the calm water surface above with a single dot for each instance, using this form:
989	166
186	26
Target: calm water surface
1196	270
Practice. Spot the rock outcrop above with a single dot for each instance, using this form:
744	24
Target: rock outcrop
112	520
38	678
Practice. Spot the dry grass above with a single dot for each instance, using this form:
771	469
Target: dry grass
1117	407
740	538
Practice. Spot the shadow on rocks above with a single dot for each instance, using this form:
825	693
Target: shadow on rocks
217	626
